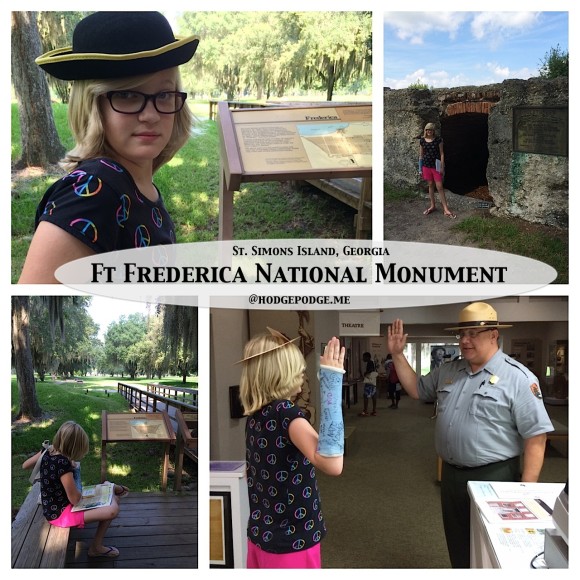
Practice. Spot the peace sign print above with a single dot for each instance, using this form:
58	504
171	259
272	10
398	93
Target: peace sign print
298	544
88	187
49	208
157	217
123	210
86	227
142	237
112	165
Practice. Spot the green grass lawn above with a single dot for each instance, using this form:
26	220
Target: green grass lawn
136	465
190	188
510	235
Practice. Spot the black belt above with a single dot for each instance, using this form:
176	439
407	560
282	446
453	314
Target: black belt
467	468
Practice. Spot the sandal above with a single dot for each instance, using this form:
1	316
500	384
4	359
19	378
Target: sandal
363	414
124	491
110	552
374	413
450	215
429	210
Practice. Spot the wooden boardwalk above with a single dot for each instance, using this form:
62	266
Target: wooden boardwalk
153	530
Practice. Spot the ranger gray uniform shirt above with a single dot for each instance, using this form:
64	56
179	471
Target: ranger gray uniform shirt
483	417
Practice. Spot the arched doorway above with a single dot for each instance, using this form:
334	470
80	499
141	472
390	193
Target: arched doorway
466	154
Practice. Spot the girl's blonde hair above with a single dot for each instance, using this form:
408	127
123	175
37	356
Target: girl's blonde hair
272	375
429	126
71	441
84	115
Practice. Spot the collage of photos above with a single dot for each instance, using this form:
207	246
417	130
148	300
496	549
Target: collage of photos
236	346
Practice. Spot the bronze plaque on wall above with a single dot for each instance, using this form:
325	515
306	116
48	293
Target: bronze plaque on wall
541	130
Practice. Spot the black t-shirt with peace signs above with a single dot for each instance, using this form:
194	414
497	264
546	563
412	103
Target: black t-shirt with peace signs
431	151
285	514
99	204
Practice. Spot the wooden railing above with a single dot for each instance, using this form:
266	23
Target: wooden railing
144	401
183	394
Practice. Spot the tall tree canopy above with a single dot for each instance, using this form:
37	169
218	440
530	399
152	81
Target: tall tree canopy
271	53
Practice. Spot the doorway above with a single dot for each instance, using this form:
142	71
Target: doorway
466	153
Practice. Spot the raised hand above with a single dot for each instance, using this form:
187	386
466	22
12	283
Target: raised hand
396	338
333	355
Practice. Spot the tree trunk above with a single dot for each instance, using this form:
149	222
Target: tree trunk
330	80
41	145
29	407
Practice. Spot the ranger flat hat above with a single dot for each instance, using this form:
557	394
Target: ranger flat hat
478	315
109	45
276	334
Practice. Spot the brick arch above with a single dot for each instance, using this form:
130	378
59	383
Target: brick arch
481	107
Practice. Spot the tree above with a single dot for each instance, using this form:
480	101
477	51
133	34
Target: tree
555	64
29	406
120	338
273	52
66	353
56	30
336	48
40	142
180	332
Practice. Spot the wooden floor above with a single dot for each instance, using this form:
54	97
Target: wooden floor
153	530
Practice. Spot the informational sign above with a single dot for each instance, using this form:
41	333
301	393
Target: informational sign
304	139
137	427
360	323
134	426
542	130
274	143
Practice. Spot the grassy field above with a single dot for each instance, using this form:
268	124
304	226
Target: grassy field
503	234
63	401
190	188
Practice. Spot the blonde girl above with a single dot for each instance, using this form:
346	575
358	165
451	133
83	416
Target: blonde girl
283	450
432	164
128	116
59	492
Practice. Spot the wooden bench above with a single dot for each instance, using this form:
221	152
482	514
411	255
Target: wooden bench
35	543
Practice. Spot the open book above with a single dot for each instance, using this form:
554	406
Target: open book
95	496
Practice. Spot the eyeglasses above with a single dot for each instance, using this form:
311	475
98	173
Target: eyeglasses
471	334
133	102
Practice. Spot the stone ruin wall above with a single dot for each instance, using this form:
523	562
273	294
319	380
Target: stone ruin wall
531	186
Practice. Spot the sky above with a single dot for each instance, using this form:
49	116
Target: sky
453	49
106	310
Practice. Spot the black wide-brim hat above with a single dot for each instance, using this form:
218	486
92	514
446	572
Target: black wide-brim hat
110	45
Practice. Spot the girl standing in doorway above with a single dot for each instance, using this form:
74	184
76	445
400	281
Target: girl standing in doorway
432	163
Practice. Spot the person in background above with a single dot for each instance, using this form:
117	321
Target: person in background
394	387
437	357
489	411
370	386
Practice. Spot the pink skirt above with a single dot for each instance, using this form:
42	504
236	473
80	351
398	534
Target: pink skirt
69	519
258	558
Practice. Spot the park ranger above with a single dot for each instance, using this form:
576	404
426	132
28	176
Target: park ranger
489	410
